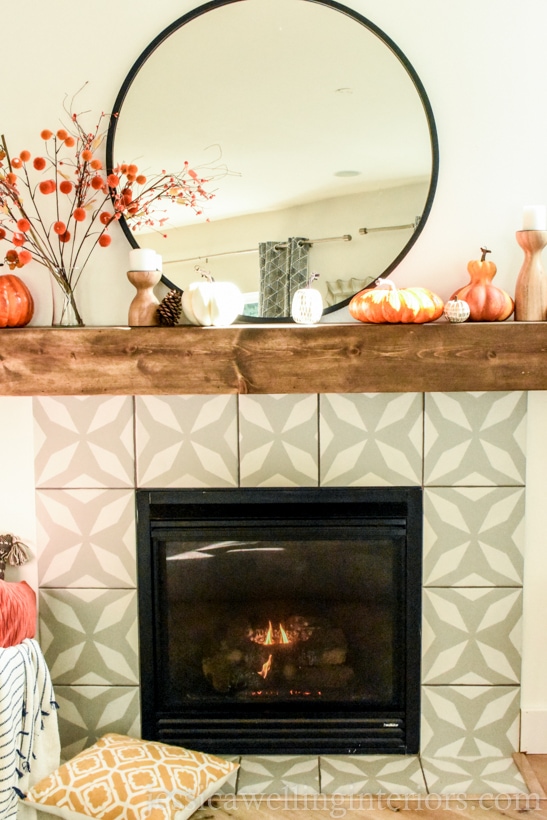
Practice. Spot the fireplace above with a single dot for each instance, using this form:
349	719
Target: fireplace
281	620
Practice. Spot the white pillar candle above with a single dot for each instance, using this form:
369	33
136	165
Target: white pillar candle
143	259
534	218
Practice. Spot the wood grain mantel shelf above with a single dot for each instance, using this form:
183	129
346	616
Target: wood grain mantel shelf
328	358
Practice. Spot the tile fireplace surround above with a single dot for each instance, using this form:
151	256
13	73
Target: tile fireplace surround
466	449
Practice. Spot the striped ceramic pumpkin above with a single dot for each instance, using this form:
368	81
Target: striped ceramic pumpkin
388	304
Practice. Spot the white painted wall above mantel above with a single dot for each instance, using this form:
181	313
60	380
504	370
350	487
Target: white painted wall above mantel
492	130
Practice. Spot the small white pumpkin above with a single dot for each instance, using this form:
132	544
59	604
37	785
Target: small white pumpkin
456	310
307	304
212	304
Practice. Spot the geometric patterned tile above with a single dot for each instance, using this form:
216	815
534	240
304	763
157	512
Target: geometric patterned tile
278	441
186	441
230	786
370	439
475	438
471	635
485	775
88	712
278	774
473	536
371	774
89	636
84	441
469	721
86	538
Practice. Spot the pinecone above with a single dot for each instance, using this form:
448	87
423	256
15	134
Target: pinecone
170	308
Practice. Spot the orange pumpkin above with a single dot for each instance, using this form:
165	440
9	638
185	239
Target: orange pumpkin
16	302
487	303
387	303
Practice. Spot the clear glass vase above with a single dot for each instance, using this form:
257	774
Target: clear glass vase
65	312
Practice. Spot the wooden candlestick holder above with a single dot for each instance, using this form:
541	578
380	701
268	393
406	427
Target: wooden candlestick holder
531	287
143	310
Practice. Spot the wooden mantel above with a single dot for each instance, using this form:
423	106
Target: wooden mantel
341	358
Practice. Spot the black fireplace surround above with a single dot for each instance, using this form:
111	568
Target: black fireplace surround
281	620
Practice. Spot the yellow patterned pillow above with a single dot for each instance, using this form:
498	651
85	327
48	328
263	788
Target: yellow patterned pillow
121	778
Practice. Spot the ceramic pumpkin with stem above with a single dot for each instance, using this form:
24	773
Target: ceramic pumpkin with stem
386	303
487	302
16	302
211	304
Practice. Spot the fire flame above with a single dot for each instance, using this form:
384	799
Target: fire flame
275	636
272	637
266	668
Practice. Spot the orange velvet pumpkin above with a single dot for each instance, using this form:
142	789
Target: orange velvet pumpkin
16	302
388	304
487	303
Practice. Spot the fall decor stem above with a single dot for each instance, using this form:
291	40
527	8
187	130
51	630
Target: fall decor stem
60	219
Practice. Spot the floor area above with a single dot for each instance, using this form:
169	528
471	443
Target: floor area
375	774
330	787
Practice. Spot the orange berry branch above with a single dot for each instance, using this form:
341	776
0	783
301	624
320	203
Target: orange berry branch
58	206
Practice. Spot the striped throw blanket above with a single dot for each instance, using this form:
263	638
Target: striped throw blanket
29	735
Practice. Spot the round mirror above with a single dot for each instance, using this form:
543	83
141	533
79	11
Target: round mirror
314	133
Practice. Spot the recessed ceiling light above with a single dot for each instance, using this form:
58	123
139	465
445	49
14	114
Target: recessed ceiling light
347	173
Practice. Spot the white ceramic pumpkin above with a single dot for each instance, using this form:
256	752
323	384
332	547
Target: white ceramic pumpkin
456	310
307	304
212	304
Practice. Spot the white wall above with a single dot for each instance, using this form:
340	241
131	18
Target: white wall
483	66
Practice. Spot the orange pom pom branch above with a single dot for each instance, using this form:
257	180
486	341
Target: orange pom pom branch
57	204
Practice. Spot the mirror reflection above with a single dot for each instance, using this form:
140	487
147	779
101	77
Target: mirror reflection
317	131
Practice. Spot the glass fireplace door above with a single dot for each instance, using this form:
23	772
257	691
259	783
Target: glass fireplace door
271	621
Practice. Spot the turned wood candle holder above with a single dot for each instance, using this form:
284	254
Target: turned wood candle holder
531	287
143	310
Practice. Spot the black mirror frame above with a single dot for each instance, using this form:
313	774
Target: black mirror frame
213	4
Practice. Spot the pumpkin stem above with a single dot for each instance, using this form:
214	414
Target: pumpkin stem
385	283
484	251
205	273
313	277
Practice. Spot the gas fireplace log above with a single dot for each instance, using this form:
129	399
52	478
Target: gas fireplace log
326	647
225	673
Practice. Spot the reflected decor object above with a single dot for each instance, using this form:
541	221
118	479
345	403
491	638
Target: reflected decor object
531	287
307	304
456	311
487	303
377	156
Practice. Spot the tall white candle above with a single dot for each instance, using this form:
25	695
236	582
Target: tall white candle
143	259
534	218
